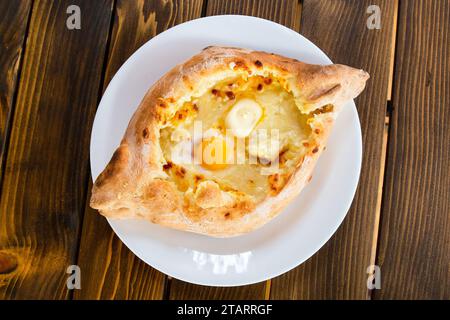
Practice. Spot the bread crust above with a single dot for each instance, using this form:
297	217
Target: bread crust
134	184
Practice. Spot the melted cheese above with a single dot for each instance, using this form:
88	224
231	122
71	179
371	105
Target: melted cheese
238	110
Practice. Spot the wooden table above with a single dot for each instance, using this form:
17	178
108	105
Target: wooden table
51	82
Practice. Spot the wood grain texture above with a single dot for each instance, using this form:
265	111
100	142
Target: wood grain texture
138	21
13	27
414	250
338	270
183	290
111	270
284	12
45	175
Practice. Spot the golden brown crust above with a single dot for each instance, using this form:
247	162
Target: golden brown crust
134	183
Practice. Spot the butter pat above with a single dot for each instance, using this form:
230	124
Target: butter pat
243	117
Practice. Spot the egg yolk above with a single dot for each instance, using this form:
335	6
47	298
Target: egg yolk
216	153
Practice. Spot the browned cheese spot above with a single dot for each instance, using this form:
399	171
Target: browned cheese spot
268	81
276	183
282	157
168	165
241	65
325	109
162	103
198	178
181	172
230	95
146	134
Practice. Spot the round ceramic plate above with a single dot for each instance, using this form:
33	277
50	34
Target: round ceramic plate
283	243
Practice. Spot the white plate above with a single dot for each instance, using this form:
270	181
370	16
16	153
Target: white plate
291	238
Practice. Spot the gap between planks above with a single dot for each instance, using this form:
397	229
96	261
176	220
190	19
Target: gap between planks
167	287
298	16
393	47
267	289
383	159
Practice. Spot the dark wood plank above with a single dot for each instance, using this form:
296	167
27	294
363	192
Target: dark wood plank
136	22
44	186
338	270
284	12
111	270
13	26
183	290
414	251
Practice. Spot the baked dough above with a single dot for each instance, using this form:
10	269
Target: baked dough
156	174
